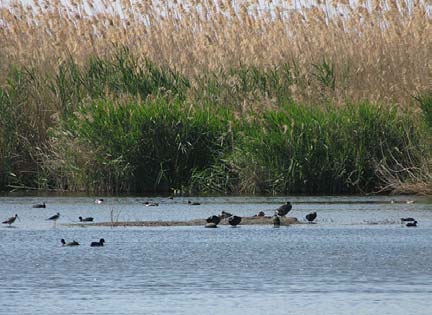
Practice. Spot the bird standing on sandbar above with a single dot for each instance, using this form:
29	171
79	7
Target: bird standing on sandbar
54	218
284	209
234	220
10	220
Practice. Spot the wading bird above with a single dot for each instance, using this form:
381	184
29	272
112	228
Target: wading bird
39	205
54	218
98	244
234	220
311	216
284	209
11	220
73	243
88	219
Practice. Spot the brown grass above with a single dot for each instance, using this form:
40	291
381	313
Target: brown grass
379	52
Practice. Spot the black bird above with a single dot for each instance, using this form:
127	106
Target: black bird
73	243
284	209
193	203
276	221
151	204
213	219
311	216
54	218
99	201
11	220
412	224
39	205
88	219
407	220
260	214
234	220
98	244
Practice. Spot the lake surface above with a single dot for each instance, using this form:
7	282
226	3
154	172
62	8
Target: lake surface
357	259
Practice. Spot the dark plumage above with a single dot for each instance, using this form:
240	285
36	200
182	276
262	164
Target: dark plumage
55	217
98	244
311	216
284	209
412	224
151	204
276	221
234	220
39	205
407	220
193	203
88	219
260	214
213	219
10	220
73	243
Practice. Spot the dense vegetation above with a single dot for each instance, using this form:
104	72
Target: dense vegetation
145	115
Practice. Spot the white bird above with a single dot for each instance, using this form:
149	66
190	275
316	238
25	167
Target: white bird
99	201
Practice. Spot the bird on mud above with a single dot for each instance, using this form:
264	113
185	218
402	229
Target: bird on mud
311	216
73	243
54	218
284	209
11	220
98	244
412	224
88	219
39	205
276	221
234	220
213	219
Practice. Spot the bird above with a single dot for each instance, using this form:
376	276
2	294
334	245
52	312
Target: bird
98	244
410	202
225	215
412	224
11	220
276	221
407	220
210	225
213	219
39	205
234	220
193	203
73	243
99	201
54	218
260	214
88	219
311	216
284	209
151	204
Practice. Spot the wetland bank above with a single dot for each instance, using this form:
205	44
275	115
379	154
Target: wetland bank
233	101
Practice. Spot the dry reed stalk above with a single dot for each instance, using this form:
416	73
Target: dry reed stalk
379	52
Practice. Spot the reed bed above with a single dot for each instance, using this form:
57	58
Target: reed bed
216	96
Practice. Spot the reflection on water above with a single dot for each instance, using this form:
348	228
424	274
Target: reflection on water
341	265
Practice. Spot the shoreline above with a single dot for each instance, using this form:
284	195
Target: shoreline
194	222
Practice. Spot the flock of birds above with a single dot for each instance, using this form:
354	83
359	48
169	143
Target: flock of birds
211	222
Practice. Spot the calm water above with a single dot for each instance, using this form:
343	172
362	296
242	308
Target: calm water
357	259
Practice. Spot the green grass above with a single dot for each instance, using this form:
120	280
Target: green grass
122	124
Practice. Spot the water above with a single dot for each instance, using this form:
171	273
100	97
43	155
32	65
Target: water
357	259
